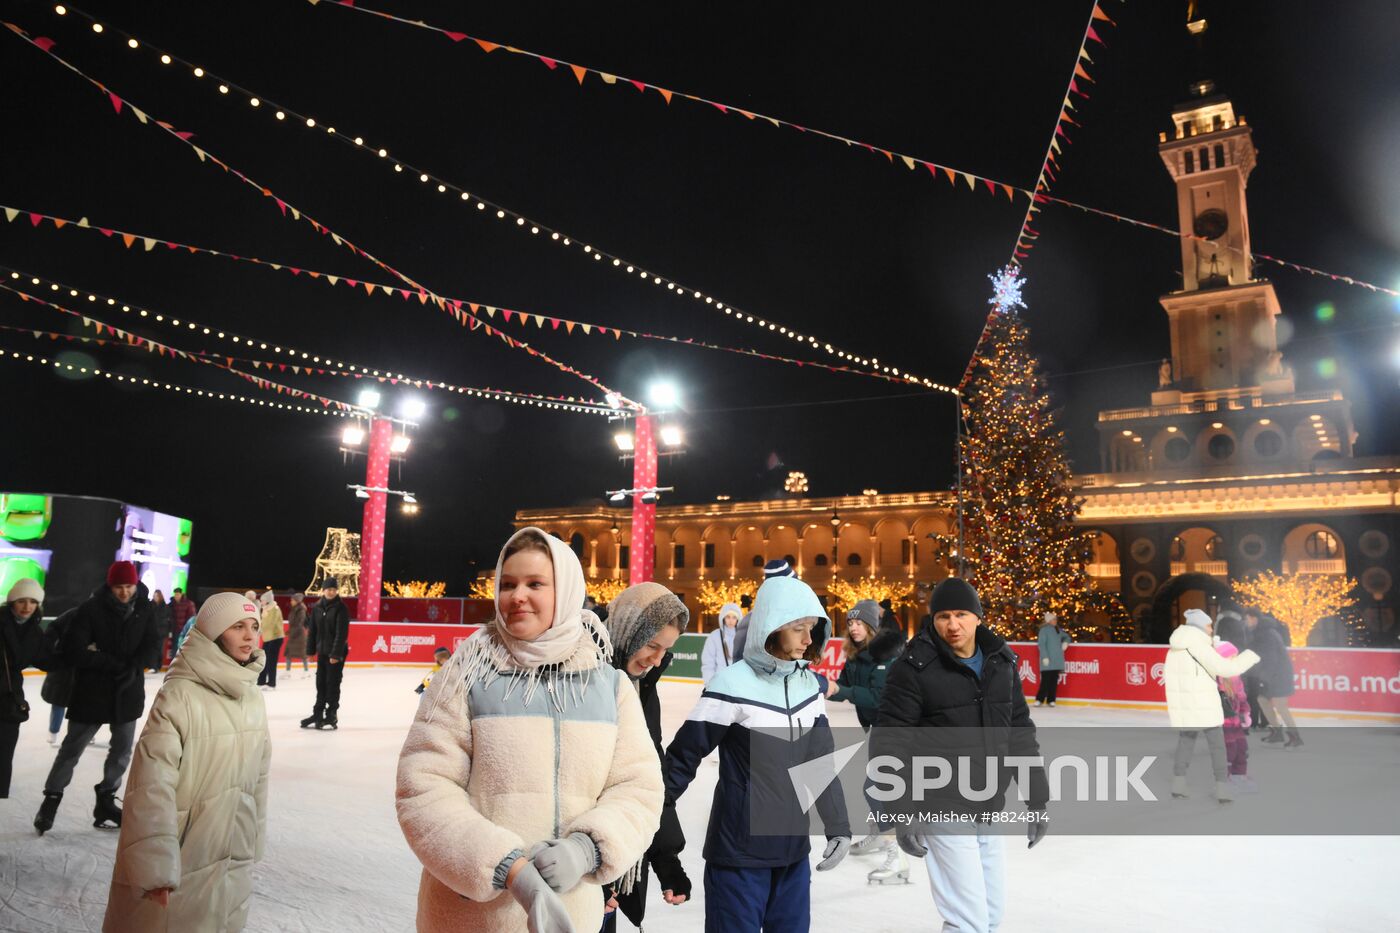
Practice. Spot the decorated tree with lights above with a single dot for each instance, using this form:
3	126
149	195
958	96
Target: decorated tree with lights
713	594
1020	546
414	589
1298	600
843	594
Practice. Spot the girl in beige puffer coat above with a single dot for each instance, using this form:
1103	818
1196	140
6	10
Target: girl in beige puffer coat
528	778
195	817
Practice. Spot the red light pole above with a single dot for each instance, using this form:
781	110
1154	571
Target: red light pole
381	435
643	562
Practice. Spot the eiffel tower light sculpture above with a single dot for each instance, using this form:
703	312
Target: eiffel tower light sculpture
339	558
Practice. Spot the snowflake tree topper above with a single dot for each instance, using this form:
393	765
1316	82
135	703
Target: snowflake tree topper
1006	289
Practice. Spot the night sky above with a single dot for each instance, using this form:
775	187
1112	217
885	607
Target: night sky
826	239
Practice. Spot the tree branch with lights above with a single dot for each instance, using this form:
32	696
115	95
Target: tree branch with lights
713	594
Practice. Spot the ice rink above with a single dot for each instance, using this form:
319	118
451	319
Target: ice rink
337	863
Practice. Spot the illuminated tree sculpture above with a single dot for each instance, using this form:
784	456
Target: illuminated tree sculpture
1022	550
1298	600
415	589
714	594
339	558
843	594
605	591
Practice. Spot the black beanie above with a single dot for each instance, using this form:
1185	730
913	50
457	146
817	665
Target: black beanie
953	593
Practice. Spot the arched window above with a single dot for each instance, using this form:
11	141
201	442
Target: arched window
853	559
758	560
1219	155
1215	548
1190	161
791	561
1321	545
820	560
576	544
1205	158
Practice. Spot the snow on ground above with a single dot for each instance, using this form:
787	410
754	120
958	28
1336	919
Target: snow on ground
336	860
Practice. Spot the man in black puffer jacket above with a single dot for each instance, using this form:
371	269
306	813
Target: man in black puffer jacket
959	677
328	640
107	643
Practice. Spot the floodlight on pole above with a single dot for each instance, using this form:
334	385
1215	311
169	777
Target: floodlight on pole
399	444
619	496
623	440
353	436
413	408
369	398
664	394
671	435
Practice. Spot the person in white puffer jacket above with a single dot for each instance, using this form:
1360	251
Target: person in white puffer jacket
195	817
1193	697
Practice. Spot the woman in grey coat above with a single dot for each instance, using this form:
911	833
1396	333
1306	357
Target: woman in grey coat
1052	640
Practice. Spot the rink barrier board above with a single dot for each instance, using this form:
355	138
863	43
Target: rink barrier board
1328	680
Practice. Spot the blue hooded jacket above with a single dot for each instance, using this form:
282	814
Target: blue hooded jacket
786	701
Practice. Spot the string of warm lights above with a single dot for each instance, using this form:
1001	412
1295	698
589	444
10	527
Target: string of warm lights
586	406
288	209
60	365
522	318
289	116
146	343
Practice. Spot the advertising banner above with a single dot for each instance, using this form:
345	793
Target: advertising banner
403	642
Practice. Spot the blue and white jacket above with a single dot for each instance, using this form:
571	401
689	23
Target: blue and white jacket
785	702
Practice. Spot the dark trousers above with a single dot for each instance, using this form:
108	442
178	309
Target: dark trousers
273	650
9	735
76	740
1049	683
1256	714
749	900
328	684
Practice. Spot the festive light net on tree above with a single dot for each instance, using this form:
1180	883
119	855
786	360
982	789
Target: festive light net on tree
1021	548
1298	600
415	589
339	558
843	594
713	594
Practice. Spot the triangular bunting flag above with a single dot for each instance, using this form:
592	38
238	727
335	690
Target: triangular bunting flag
952	175
369	289
454	36
665	93
139	114
11	213
487	46
607	78
569	326
579	72
150	243
971	182
116	101
909	162
1100	14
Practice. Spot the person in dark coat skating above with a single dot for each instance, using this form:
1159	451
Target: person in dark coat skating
1274	676
957	673
19	648
108	643
328	639
644	622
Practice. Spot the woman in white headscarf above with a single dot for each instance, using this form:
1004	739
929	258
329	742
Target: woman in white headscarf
528	779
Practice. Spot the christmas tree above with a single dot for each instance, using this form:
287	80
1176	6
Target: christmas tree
1020	547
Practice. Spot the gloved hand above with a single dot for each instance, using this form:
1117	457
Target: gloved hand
836	849
908	839
563	862
1036	830
544	912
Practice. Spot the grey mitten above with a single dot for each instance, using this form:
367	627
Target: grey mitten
544	912
836	849
562	863
909	841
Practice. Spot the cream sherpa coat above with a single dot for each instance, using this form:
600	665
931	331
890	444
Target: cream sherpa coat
1193	695
488	771
195	810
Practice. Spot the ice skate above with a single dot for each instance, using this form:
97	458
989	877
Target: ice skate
894	870
312	722
1052	703
1294	739
1275	735
1224	792
106	811
870	845
43	821
1039	702
1244	784
1179	787
328	723
53	738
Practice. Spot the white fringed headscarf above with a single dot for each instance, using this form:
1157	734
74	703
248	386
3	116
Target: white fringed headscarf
576	642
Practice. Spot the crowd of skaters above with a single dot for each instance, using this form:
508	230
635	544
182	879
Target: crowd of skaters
555	716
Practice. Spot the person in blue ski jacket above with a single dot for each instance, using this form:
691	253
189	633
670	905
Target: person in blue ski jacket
761	880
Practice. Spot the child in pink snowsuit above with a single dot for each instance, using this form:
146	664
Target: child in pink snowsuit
1237	726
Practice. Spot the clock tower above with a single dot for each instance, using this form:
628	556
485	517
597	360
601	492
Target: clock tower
1222	319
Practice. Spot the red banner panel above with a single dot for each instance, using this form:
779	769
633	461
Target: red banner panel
403	642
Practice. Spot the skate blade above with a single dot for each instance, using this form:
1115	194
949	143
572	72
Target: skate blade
103	824
900	878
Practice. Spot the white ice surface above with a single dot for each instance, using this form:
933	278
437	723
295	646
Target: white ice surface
336	861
